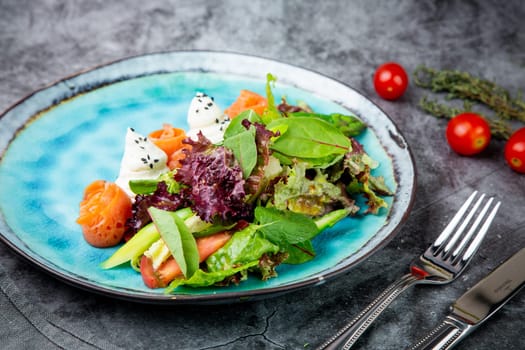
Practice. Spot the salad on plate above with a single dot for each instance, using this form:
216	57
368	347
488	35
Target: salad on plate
240	192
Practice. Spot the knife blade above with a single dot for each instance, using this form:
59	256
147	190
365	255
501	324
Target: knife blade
477	305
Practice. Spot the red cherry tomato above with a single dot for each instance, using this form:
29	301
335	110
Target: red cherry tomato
515	151
468	134
390	81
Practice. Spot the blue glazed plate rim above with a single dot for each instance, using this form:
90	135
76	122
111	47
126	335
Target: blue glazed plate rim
388	134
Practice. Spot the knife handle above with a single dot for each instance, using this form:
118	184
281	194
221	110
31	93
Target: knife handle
445	336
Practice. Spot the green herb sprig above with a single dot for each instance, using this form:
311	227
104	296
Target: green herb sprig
500	129
471	90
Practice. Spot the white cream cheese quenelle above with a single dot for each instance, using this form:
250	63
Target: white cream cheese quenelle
204	115
142	160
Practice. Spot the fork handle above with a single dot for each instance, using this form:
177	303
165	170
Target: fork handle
349	334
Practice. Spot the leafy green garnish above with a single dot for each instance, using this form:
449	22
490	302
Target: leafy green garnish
284	226
310	139
212	229
236	126
271	112
204	279
244	247
178	238
349	125
244	149
359	166
313	197
148	186
300	253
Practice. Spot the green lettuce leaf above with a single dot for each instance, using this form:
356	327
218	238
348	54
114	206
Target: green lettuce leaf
244	247
359	165
204	279
311	197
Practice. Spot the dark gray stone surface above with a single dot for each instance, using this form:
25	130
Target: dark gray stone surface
43	41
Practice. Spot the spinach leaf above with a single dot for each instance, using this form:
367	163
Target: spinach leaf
300	253
212	229
285	227
349	125
148	186
244	149
236	126
178	238
307	137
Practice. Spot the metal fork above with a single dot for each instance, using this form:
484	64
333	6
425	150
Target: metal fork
441	263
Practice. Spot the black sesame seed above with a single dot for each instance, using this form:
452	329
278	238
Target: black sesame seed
206	108
217	120
210	104
151	166
131	129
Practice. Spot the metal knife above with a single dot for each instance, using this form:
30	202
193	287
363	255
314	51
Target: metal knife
477	304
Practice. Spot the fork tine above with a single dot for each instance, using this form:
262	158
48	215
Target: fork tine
482	232
463	225
473	228
454	222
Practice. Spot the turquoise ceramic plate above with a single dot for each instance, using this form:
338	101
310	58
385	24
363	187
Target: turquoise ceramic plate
59	139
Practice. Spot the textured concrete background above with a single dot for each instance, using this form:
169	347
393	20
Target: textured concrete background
43	41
